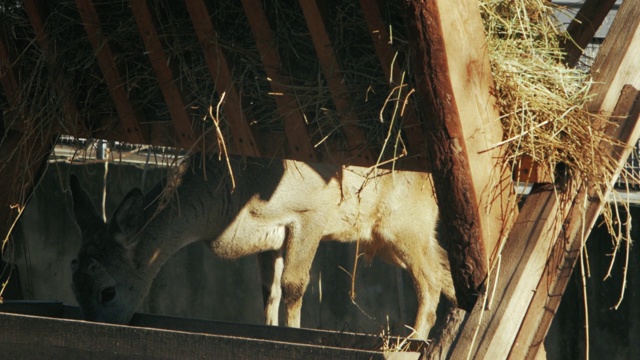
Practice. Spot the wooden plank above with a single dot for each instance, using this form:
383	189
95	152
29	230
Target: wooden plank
65	339
489	333
494	337
130	119
525	170
73	124
299	143
356	139
411	125
244	142
453	82
160	62
583	28
581	219
617	61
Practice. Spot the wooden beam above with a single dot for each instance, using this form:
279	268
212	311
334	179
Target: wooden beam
130	119
615	65
580	220
356	139
160	62
73	124
299	142
494	337
583	28
386	54
453	81
66	339
489	332
617	61
243	139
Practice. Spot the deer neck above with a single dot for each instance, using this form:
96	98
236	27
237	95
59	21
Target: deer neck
167	230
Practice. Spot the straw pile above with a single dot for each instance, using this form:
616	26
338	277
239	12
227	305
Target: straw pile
540	100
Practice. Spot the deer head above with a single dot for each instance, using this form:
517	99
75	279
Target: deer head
106	281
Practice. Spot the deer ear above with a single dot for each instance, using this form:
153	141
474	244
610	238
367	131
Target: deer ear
85	212
129	218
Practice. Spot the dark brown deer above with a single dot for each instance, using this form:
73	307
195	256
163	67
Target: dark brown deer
280	210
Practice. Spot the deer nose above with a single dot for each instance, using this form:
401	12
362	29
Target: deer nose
107	295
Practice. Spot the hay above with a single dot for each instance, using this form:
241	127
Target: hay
541	101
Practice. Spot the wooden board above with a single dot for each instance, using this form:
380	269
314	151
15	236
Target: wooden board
491	333
64	339
453	81
581	219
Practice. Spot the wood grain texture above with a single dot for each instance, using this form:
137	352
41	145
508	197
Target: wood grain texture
580	220
66	339
453	80
583	28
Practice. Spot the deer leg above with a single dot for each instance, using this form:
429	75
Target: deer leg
271	265
300	251
423	265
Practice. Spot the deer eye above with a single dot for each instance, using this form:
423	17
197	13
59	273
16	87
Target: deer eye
107	295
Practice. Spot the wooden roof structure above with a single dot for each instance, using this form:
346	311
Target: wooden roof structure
449	129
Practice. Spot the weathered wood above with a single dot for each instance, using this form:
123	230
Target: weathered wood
489	333
356	140
299	142
580	220
494	337
244	142
525	170
583	28
160	62
615	65
453	81
617	61
72	122
65	339
129	117
385	52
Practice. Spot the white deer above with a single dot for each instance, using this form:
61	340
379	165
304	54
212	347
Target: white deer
280	210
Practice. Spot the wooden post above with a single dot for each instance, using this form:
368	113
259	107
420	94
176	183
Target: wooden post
583	28
490	333
580	219
453	80
615	65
